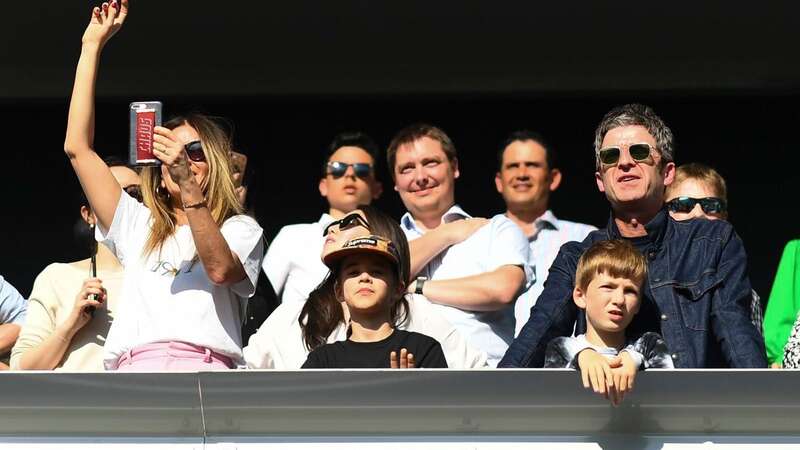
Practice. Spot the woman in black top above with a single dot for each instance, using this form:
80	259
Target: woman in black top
368	278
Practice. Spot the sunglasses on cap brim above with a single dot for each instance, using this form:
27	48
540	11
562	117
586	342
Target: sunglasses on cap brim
351	220
639	152
710	205
337	169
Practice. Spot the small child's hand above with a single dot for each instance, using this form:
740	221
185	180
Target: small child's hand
624	376
596	372
403	361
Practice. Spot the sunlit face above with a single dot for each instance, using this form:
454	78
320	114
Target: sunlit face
345	193
185	134
610	302
424	177
694	189
366	282
338	235
630	184
524	177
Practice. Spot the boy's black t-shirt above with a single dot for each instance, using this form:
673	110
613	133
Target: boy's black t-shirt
375	355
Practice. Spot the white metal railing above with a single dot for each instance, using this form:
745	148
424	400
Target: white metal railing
321	407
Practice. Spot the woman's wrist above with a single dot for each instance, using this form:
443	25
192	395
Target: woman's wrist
187	184
65	332
91	47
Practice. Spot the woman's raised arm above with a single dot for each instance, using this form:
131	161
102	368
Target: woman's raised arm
99	185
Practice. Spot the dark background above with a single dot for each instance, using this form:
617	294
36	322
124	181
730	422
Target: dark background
290	76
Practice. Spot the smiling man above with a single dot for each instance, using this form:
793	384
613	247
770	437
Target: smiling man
292	262
526	176
697	293
474	278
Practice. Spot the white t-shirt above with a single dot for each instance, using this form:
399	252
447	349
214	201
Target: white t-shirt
496	244
278	343
167	296
293	263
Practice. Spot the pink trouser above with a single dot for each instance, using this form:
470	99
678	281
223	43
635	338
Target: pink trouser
172	356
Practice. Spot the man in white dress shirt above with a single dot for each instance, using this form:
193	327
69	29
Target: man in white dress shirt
473	280
526	175
292	263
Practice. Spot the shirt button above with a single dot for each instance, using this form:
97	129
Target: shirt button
663	317
651	255
674	356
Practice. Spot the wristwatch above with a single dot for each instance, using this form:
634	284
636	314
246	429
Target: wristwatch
418	285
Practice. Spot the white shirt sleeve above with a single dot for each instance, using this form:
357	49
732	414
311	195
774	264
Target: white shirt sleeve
427	320
129	229
243	235
509	247
12	304
278	343
277	263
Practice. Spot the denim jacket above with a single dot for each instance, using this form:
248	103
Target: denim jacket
697	296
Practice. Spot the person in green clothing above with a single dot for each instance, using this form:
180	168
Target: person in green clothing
784	303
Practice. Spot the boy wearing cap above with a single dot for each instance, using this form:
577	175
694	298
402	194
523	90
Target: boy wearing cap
368	280
608	282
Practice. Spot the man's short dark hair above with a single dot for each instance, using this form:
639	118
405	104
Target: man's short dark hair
413	133
527	135
636	114
352	139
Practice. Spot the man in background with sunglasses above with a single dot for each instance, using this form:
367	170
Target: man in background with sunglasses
697	294
526	175
292	263
475	277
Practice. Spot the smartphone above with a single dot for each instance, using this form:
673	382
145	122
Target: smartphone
144	117
92	265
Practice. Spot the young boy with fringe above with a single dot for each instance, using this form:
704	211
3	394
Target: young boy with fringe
608	283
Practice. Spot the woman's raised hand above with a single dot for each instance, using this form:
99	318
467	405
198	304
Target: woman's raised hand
169	150
106	20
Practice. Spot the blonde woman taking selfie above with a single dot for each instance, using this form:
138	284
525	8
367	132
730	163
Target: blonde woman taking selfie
191	259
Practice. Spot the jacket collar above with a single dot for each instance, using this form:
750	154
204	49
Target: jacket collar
656	228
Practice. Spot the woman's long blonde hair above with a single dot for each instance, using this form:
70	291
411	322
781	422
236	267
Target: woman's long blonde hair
218	187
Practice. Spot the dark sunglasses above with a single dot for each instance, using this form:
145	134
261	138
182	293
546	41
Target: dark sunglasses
134	191
337	169
710	205
639	153
194	150
346	222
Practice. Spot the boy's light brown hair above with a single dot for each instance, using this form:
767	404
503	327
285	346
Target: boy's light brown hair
702	173
616	258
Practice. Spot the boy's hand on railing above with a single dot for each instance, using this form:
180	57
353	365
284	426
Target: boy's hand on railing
595	371
624	375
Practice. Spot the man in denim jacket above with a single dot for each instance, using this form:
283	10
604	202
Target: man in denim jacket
697	294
